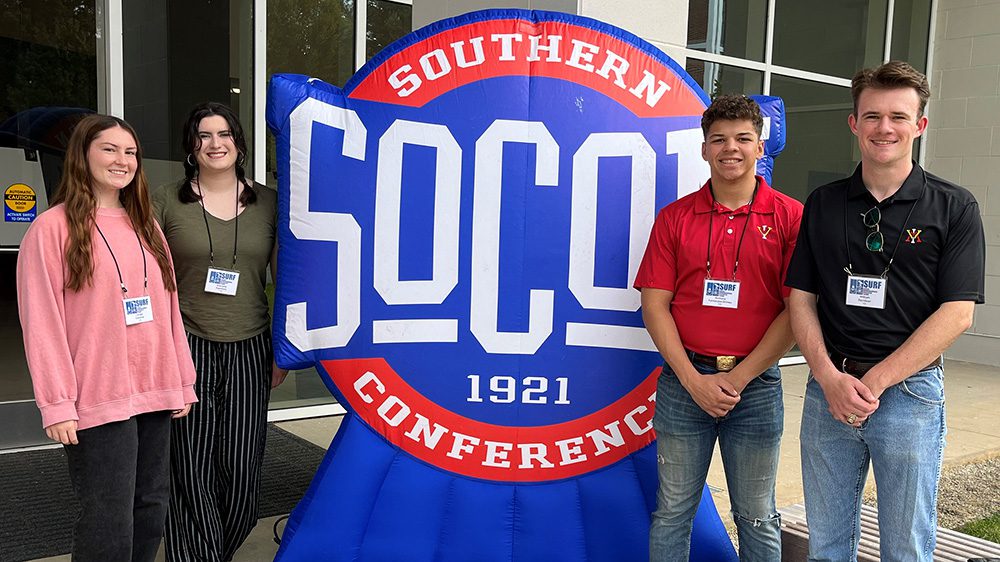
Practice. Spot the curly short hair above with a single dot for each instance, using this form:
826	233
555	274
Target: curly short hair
732	107
893	74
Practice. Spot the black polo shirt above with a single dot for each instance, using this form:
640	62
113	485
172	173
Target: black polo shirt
941	258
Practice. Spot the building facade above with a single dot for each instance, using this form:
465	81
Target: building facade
149	61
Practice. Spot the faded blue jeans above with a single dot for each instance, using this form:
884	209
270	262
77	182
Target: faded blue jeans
749	437
904	440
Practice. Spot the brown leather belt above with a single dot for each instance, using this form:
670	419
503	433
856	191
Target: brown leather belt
722	363
860	368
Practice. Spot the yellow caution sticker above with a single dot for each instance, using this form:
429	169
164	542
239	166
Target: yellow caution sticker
20	203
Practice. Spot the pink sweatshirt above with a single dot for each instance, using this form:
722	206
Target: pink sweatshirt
85	363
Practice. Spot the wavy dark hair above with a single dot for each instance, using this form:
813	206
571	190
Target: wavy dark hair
732	107
192	143
76	193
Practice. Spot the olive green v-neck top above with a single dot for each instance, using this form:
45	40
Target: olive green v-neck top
212	316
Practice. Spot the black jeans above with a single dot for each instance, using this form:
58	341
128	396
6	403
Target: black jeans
121	475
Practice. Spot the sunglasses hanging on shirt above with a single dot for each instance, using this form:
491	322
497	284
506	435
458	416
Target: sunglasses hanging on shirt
869	291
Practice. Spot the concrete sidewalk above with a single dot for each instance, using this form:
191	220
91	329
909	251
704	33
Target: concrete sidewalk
973	393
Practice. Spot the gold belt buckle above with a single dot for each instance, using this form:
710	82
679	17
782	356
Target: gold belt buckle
725	362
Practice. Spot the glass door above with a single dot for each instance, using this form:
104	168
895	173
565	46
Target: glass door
49	61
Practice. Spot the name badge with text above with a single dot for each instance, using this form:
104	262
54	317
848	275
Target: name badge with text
138	310
866	291
222	281
721	294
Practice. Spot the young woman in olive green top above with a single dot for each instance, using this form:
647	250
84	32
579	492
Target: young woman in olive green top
221	231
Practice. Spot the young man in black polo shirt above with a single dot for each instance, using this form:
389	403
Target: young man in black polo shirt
887	269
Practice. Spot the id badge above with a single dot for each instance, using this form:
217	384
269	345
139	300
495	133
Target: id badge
138	310
866	291
222	281
721	294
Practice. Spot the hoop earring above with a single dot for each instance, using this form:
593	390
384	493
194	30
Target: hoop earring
189	160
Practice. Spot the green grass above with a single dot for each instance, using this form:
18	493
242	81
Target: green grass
987	529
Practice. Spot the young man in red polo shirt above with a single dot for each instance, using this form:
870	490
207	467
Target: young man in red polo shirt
714	305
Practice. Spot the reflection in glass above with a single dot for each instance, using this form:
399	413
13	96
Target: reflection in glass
311	37
316	38
178	54
834	38
48	81
724	79
735	29
911	22
47	55
820	147
387	21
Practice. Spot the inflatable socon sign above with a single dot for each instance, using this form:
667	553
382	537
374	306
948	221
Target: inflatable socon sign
459	231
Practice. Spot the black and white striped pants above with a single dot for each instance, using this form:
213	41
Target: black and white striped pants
218	449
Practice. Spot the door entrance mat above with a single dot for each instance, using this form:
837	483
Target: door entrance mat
38	509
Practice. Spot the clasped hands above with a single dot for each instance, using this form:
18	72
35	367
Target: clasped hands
851	400
717	394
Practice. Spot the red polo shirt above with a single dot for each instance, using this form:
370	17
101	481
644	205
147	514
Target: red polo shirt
675	261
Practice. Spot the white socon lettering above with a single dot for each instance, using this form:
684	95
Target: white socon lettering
341	228
584	227
388	196
692	170
486	237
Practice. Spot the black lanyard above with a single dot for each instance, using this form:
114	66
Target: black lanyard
236	227
885	273
739	247
121	281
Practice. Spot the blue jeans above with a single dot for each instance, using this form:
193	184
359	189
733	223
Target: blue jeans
749	437
904	440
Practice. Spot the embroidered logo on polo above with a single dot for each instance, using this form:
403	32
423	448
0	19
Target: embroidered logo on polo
913	235
764	231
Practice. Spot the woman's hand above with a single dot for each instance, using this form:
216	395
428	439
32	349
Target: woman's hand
182	412
63	432
277	375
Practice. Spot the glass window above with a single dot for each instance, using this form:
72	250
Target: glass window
178	54
49	69
819	145
724	79
316	38
387	21
735	29
835	38
311	37
911	23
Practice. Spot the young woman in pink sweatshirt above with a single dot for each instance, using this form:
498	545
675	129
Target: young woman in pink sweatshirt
104	340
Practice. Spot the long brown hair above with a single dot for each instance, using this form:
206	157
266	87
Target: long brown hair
76	192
